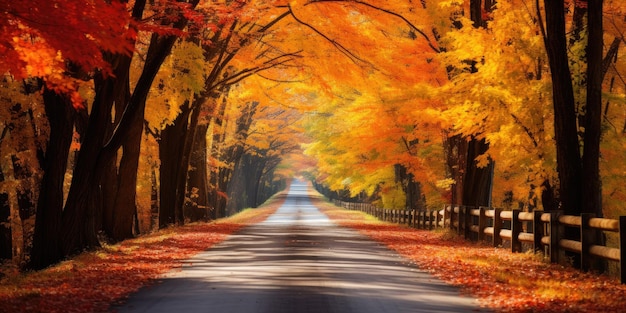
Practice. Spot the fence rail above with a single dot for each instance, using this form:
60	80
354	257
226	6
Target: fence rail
537	230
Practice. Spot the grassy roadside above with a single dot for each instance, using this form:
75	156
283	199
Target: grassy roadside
503	281
92	281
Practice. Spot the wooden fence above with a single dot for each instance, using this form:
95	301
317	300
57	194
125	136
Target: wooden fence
516	229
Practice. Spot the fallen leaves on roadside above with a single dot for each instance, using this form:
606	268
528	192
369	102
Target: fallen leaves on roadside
93	281
501	280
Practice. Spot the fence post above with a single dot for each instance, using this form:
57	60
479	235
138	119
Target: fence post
468	220
418	213
537	230
482	223
587	238
460	219
497	226
438	218
555	236
447	216
416	218
516	229
622	248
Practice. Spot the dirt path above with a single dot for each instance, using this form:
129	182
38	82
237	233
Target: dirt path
298	261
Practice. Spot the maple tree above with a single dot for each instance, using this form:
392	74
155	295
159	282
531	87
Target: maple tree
75	228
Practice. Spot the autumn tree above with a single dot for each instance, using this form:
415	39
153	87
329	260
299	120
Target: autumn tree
76	228
266	135
578	168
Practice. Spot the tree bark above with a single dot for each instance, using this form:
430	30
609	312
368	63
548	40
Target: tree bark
477	181
60	116
198	175
565	129
125	205
78	222
171	148
592	197
6	241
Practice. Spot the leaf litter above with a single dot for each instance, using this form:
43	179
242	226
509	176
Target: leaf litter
94	281
500	280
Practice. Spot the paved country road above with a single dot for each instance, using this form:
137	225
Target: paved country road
298	261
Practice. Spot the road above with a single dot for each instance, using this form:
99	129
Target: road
298	261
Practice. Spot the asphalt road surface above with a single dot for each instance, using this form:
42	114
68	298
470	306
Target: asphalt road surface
298	261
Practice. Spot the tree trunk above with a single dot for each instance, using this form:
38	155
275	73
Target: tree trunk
456	158
565	129
171	147
477	181
50	203
592	197
79	230
411	188
215	193
6	241
188	136
125	205
198	175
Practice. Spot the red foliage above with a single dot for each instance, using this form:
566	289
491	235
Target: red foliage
78	29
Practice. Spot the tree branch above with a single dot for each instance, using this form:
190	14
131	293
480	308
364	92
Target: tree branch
345	51
386	11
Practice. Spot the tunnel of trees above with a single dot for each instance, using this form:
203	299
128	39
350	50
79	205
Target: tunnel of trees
120	117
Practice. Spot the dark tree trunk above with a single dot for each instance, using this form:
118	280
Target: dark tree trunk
235	152
181	186
6	240
456	159
548	197
237	193
50	203
477	187
198	175
251	167
112	177
109	191
215	193
125	200
411	188
171	149
592	197
253	184
567	147
79	230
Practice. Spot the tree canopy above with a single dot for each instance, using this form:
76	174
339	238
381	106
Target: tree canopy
123	116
